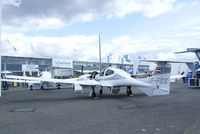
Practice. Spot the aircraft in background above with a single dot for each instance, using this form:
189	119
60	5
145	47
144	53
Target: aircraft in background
113	79
191	50
193	66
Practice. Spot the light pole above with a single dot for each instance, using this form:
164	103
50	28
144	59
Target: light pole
100	66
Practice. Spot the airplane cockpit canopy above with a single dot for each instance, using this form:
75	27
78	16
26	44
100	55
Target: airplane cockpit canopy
109	72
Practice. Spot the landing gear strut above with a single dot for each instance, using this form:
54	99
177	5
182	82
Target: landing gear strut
128	91
93	93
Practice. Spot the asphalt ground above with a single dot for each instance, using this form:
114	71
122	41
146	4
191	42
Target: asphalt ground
63	112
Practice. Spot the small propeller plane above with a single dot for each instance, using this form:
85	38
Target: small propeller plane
113	79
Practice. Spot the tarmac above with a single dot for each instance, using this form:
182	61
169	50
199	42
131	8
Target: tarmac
61	111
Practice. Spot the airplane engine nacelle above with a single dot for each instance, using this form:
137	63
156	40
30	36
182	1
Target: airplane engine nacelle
115	90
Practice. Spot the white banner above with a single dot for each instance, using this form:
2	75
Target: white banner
63	72
26	67
62	63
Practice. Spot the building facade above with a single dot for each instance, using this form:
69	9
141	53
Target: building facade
32	66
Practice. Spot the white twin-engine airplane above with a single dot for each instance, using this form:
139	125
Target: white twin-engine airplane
113	79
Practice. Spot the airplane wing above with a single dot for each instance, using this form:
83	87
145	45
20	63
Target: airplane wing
20	81
80	81
189	50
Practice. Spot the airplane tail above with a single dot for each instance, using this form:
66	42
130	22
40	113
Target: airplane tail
159	81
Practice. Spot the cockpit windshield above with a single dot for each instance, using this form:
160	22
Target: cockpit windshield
109	72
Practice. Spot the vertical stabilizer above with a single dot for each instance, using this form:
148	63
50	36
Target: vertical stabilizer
161	79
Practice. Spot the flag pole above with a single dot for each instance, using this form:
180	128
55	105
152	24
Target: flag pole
100	66
0	44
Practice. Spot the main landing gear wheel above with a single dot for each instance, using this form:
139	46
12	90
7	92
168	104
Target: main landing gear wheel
92	93
31	87
101	91
128	91
58	86
42	87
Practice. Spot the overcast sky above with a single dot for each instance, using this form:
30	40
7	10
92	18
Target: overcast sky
70	28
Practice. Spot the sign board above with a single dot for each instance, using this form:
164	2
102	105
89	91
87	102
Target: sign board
63	72
26	67
62	63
